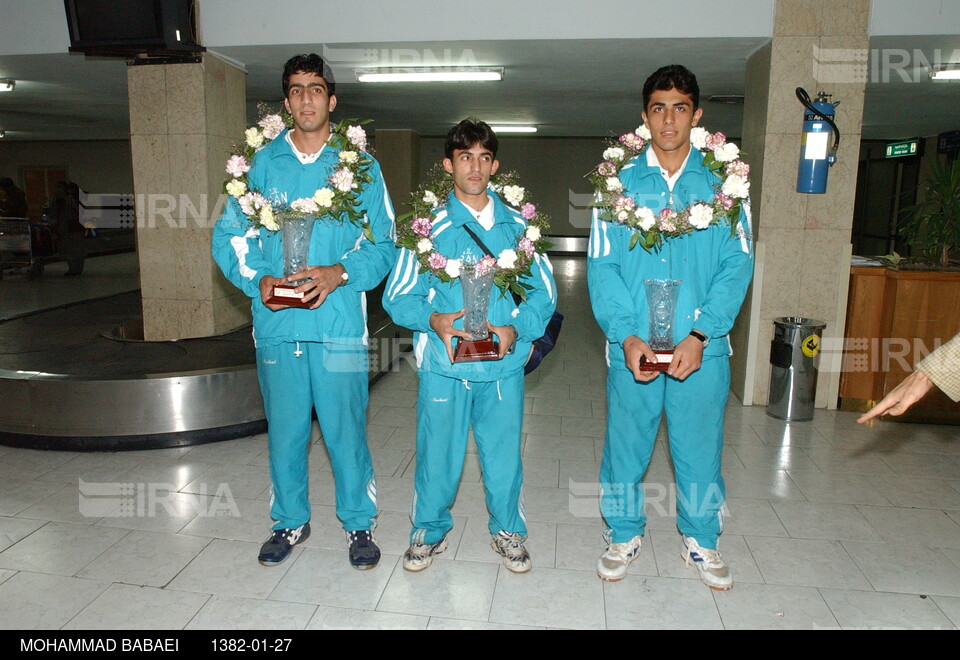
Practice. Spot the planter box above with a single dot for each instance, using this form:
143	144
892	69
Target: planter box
894	319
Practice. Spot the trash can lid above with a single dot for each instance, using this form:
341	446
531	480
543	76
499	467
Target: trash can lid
799	321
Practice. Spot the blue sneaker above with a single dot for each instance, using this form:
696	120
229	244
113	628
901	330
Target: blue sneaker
280	544
364	553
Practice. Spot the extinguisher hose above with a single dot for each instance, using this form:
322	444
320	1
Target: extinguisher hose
805	100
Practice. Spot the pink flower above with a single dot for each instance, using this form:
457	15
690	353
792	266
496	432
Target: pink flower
632	141
486	265
738	168
342	179
437	260
246	204
528	212
724	200
422	227
358	137
527	246
624	203
716	140
237	166
272	126
606	168
667	220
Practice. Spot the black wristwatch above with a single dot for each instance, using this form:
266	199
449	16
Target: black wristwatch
702	337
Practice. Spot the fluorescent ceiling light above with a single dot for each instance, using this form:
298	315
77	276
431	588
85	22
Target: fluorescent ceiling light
514	129
3	134
7	84
430	75
945	72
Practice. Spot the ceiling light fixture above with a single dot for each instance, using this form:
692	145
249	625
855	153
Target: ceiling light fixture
7	84
3	134
514	129
945	72
469	74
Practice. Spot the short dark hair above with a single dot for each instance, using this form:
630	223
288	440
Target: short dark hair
311	63
673	76
468	133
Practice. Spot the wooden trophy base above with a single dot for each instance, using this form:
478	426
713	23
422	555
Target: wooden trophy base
286	295
474	350
664	358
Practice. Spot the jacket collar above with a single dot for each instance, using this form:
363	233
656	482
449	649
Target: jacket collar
459	215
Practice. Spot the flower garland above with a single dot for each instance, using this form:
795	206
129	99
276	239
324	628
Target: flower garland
415	233
335	201
651	229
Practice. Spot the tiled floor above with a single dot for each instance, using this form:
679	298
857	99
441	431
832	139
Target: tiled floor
829	525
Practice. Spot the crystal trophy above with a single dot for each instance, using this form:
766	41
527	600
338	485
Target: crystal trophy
661	308
295	232
475	282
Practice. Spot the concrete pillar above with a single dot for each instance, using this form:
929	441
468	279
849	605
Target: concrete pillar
184	118
802	240
398	152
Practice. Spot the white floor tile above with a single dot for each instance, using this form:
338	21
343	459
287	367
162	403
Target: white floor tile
19	494
839	489
232	613
127	607
908	569
817	520
14	529
867	610
250	521
335	618
326	577
805	563
437	623
913	526
230	568
773	607
654	603
745	517
450	589
36	601
549	597
950	607
144	558
60	548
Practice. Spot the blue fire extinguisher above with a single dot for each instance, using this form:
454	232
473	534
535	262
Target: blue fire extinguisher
816	156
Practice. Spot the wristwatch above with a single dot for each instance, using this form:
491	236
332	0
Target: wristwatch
702	337
344	276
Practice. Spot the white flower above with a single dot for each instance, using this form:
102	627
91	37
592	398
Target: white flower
342	179
254	137
698	137
247	204
323	198
430	198
643	132
736	186
513	194
507	259
727	153
272	126
236	188
701	216
358	137
267	219
349	156
646	217
305	205
614	184
533	233
614	153
453	267
424	245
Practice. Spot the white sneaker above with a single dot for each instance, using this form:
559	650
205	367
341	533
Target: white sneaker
613	563
420	555
511	548
713	570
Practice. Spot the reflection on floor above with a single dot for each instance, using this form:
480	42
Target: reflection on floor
829	525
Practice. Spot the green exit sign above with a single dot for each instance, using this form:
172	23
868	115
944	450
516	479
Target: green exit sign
905	148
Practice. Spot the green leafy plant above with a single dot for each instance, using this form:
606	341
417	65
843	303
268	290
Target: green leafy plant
932	227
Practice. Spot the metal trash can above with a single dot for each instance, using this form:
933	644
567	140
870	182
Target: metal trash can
794	359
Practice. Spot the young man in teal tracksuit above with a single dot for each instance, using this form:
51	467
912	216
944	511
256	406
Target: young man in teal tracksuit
485	395
715	270
314	357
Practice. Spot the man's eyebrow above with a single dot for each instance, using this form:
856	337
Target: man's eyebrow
308	85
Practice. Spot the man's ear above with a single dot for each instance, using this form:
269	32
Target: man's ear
332	104
494	167
696	116
448	165
286	105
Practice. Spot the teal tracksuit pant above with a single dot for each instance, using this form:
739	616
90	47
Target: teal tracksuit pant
295	377
446	409
694	409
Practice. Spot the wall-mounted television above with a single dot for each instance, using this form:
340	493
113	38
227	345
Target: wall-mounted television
133	27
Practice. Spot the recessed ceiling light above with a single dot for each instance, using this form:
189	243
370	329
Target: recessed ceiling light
945	72
7	84
471	74
514	129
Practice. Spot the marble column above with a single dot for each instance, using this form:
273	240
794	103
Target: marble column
398	152
184	118
802	240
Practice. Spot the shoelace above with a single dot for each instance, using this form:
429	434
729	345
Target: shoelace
621	550
710	558
512	545
361	537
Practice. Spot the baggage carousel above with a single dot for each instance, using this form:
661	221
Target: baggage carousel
74	378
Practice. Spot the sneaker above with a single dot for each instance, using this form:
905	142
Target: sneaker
420	555
364	553
511	548
280	544
713	570
613	563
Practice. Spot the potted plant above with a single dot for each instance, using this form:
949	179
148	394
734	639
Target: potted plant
932	227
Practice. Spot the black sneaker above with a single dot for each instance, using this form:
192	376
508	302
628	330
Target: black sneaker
280	544
364	553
